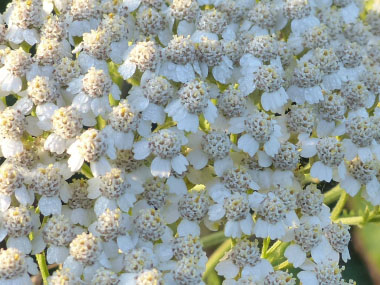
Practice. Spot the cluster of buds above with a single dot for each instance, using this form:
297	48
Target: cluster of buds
131	129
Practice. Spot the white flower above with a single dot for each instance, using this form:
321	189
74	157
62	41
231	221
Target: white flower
330	152
235	208
91	92
114	189
308	237
259	129
355	173
123	122
194	100
166	146
16	64
245	256
23	20
92	146
315	274
151	97
214	146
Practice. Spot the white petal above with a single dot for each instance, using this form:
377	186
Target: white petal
138	102
272	146
221	165
236	125
127	69
100	167
185	28
38	244
57	254
31	267
141	149
100	106
55	143
277	230
227	269
211	112
163	252
5	202
282	178
222	72
274	101
179	163
321	171
145	128
185	73
350	185
321	251
24	105
154	113
170	213
216	212
189	123
11	148
246	225
255	200
176	110
261	229
160	167
365	153
187	227
75	162
309	148
350	13
50	205
80	216
31	36
46	111
295	255
126	201
102	204
350	149
11	84
197	158
75	267
373	189
24	196
232	229
176	185
124	140
324	128
248	144
23	244
264	159
125	243
307	277
259	271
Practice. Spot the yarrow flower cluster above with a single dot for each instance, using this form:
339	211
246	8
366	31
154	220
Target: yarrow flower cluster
130	130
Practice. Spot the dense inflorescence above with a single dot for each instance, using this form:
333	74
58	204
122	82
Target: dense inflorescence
130	130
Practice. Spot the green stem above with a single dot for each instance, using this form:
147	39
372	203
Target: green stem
339	206
86	171
41	260
100	122
170	123
273	247
332	195
216	256
282	265
353	221
266	243
213	239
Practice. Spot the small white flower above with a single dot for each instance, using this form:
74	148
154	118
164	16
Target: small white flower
166	146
